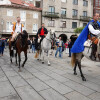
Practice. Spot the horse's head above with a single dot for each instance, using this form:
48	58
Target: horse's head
24	34
52	35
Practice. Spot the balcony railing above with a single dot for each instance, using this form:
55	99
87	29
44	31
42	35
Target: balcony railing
63	15
51	14
74	17
85	18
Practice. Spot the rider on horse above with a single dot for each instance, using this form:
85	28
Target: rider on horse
42	32
16	28
91	31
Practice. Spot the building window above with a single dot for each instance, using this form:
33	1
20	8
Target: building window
63	24
35	15
75	2
9	12
35	28
64	1
84	24
75	12
8	26
84	13
74	24
63	11
51	23
23	15
85	3
51	9
38	4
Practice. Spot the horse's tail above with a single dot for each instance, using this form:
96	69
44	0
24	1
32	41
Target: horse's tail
37	54
73	59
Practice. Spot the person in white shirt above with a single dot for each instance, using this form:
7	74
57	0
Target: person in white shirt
94	32
16	28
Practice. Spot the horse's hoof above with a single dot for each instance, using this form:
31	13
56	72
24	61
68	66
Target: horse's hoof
83	79
42	62
49	64
16	65
75	73
38	59
19	70
22	65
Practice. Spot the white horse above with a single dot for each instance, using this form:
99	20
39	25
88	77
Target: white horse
46	45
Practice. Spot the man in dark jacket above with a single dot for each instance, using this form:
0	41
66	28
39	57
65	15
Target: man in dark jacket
42	32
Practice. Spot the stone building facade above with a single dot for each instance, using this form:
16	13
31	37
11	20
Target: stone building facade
30	17
65	15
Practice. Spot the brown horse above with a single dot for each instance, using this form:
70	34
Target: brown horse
20	45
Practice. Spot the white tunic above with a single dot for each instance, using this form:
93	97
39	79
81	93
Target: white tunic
18	28
92	30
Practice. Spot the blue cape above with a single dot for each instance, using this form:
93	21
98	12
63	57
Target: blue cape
79	43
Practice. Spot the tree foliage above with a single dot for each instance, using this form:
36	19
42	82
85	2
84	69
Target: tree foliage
78	30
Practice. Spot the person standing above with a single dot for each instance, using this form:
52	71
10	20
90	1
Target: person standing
33	45
66	46
29	45
70	44
59	48
2	47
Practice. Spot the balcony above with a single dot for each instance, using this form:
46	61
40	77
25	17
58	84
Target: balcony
74	17
63	15
50	14
85	18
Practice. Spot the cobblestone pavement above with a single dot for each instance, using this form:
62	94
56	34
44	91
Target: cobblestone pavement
38	81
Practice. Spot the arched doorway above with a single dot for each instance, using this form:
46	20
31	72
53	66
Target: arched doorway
64	37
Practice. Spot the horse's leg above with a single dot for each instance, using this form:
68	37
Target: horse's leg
43	56
25	53
16	58
48	57
19	61
79	65
76	63
10	56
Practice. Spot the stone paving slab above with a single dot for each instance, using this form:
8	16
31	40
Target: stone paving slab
63	89
27	93
37	84
76	96
80	88
17	81
95	96
12	97
6	89
39	81
51	94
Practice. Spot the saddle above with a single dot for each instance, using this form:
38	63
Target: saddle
93	38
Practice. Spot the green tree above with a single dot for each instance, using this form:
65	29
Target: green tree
78	30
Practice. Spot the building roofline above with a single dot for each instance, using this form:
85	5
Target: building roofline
23	7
